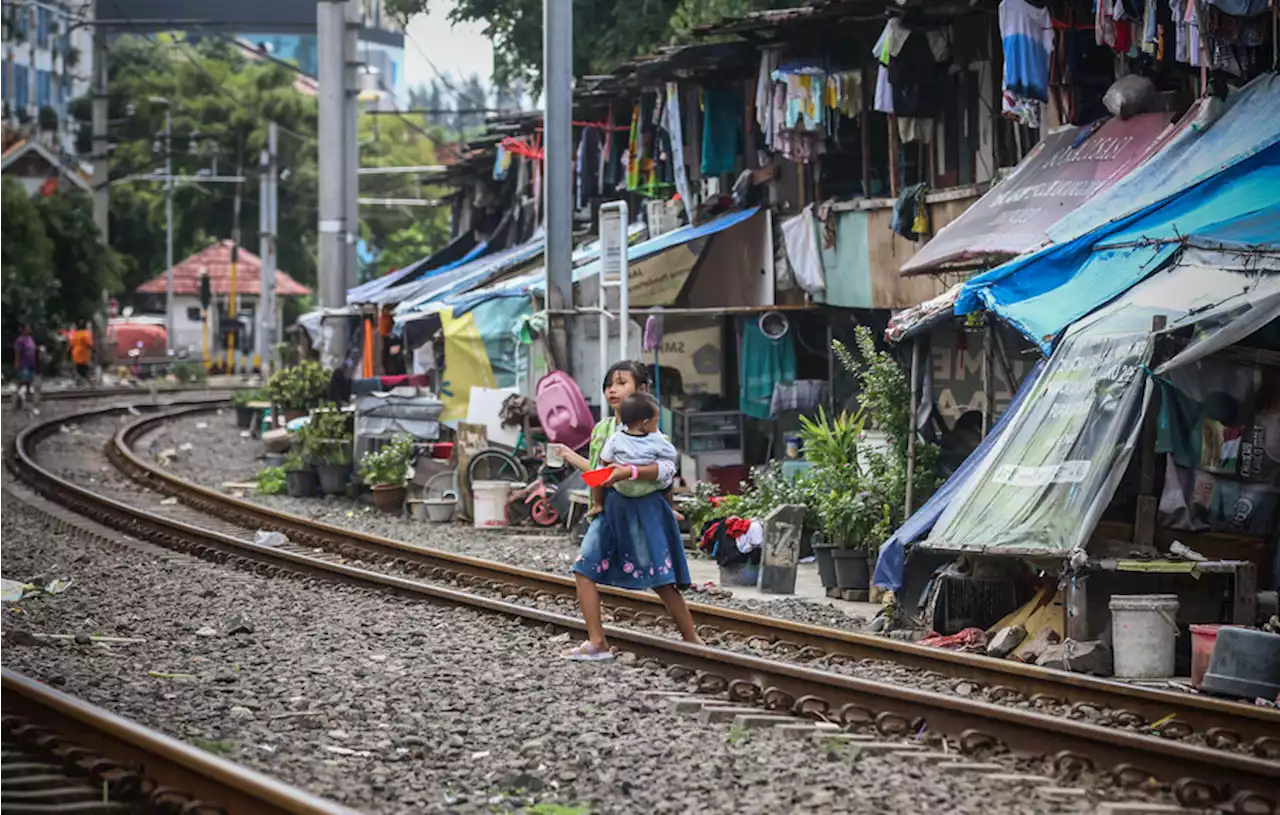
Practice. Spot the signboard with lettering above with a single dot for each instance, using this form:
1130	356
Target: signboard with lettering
1055	178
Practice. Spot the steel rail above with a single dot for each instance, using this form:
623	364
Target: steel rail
1199	775
108	393
1172	714
142	764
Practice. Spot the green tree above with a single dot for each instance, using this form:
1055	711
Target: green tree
26	260
605	32
82	267
401	234
222	102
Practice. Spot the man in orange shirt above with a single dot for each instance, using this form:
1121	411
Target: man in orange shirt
82	350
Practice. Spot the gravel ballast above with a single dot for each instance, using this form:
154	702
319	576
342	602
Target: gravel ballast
65	453
220	454
390	706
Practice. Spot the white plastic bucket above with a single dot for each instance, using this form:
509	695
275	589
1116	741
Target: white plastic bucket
1144	629
490	499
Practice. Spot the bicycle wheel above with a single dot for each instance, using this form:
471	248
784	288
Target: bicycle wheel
496	465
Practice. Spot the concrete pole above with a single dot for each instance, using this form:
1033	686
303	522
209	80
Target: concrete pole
330	22
351	145
268	199
557	184
101	165
170	324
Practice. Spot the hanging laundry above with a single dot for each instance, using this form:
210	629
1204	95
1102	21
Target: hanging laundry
800	234
912	129
908	212
721	131
883	102
676	131
1241	8
769	59
501	164
1026	33
633	149
763	363
891	40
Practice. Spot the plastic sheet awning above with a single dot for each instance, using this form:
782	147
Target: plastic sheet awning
1045	485
1224	175
460	250
534	282
1063	172
469	276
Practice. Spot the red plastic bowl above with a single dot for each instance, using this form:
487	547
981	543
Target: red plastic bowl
596	478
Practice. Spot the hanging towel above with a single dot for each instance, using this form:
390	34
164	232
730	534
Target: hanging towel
721	128
764	362
801	238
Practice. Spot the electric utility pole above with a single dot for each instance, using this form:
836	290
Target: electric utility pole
268	207
557	95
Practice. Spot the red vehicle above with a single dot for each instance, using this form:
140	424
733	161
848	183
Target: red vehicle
139	342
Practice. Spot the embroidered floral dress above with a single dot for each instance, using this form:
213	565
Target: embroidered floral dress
635	543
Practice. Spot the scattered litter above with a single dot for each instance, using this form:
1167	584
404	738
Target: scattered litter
240	485
167	675
185	446
206	631
1180	550
295	714
244	434
202	425
267	748
166	455
264	538
85	638
134	411
170	501
479	755
347	751
11	591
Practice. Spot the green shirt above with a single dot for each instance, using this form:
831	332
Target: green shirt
631	489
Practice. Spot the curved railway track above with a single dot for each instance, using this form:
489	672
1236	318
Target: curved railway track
74	754
1199	774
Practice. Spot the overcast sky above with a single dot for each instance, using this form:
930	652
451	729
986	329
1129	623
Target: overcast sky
456	50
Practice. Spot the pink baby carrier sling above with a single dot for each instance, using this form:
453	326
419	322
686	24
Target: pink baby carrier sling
562	410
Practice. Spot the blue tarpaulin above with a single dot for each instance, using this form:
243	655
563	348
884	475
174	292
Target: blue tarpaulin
461	249
893	552
468	276
1224	178
535	281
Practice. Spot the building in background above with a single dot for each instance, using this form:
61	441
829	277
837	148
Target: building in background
381	51
48	52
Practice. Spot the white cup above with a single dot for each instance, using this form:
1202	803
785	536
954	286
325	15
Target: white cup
554	460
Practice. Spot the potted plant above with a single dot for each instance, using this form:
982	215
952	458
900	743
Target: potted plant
300	479
831	445
240	401
330	449
386	470
298	389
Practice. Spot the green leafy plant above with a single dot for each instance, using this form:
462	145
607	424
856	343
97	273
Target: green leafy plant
271	481
832	442
188	372
294	461
242	398
390	465
326	439
301	387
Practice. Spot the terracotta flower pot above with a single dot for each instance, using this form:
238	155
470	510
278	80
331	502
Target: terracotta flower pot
388	497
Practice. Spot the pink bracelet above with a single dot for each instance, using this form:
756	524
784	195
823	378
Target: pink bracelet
635	473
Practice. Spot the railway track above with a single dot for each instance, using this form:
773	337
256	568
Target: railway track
62	754
107	393
1199	775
